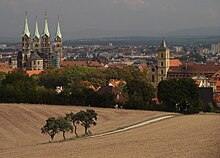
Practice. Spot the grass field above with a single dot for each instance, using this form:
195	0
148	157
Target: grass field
181	136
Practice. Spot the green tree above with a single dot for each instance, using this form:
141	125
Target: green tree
52	78
179	95
2	76
87	118
64	126
51	127
74	118
139	92
17	87
110	73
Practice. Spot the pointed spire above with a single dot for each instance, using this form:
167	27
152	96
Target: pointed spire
163	43
58	33
26	28
46	29
36	33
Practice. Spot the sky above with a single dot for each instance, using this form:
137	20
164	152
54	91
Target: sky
108	18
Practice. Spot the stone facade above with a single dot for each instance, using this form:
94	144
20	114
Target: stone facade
163	61
42	54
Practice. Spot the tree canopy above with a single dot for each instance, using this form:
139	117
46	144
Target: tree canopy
51	127
65	124
140	93
17	87
179	95
87	118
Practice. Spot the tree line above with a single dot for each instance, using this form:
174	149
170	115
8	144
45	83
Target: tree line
176	95
17	87
69	123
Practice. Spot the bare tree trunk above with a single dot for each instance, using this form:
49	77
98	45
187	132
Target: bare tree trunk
75	128
64	137
86	131
51	136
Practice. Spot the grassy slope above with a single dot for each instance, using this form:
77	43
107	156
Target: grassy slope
20	124
184	136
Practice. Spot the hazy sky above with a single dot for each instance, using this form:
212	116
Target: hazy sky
93	18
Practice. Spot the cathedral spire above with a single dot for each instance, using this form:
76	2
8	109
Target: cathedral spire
46	29
36	33
58	32
26	28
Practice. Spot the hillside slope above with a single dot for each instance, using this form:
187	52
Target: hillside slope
20	124
194	136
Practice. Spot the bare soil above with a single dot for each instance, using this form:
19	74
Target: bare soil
181	136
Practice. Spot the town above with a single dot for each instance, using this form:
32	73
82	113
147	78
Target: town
161	61
109	79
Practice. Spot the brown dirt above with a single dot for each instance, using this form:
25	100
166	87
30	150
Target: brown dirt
182	136
20	124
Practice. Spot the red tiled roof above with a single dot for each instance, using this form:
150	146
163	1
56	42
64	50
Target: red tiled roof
117	65
217	74
80	63
33	72
94	64
4	67
175	62
195	68
144	66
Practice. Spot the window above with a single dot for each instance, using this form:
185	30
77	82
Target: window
161	78
153	78
161	55
162	72
161	63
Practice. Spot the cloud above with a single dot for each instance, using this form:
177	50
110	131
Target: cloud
131	3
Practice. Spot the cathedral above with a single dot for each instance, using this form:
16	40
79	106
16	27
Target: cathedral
38	52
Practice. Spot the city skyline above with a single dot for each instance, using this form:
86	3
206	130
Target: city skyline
108	18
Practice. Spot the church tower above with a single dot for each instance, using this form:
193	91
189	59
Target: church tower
163	61
45	45
57	47
36	39
26	41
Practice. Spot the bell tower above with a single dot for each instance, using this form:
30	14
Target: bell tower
26	41
36	38
57	46
163	61
45	45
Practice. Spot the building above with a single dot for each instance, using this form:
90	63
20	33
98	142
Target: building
205	75
215	48
215	82
36	62
39	53
190	70
95	64
163	61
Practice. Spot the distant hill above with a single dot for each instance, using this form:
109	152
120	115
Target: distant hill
145	40
132	36
4	39
203	31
